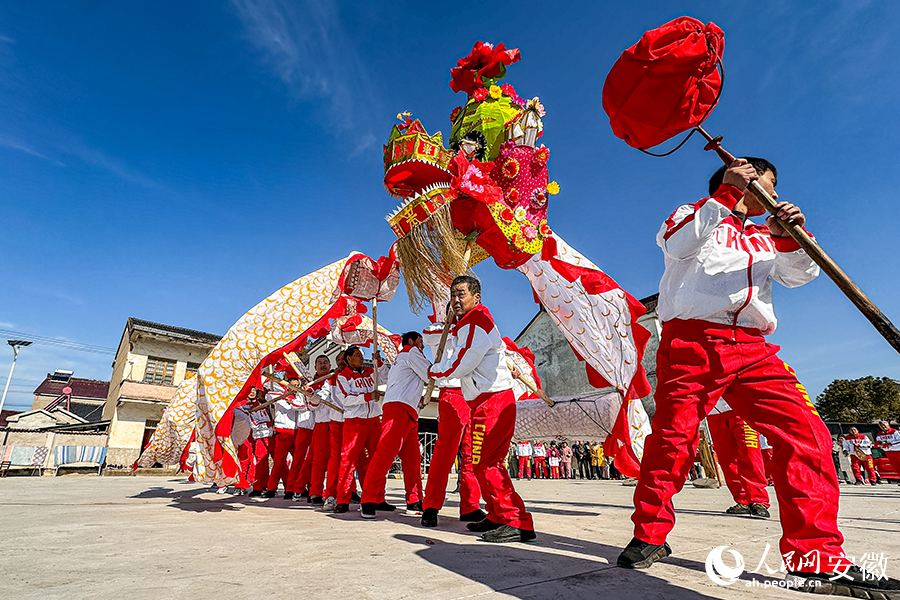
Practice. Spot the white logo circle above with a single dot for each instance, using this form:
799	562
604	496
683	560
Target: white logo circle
721	573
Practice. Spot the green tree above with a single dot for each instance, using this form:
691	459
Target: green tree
860	400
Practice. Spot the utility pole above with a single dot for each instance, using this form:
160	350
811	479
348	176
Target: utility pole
16	344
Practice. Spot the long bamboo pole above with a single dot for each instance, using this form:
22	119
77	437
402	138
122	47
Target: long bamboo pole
375	337
868	308
439	353
295	388
532	388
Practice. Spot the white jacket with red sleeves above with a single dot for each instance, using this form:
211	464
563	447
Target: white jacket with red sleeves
355	391
432	338
478	358
720	268
321	391
407	377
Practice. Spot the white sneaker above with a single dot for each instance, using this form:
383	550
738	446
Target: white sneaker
329	504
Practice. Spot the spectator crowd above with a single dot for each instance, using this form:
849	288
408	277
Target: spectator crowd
554	459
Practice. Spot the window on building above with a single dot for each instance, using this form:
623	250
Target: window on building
191	370
159	370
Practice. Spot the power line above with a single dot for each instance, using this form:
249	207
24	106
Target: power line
58	343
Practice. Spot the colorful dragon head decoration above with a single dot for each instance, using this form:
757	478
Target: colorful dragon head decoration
492	185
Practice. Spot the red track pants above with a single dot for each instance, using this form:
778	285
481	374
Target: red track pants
259	465
893	457
399	435
454	428
525	467
737	447
493	424
858	465
697	363
321	455
336	429
360	439
281	445
245	459
298	459
554	472
540	467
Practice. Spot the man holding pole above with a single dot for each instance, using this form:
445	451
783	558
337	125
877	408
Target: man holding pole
454	440
362	421
399	430
715	305
479	361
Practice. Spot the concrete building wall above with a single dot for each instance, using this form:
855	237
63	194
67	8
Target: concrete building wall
126	432
562	374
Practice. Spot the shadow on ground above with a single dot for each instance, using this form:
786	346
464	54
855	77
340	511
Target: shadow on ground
530	572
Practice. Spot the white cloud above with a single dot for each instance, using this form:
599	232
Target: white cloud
307	47
8	143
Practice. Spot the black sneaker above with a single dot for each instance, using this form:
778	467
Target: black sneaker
759	511
855	583
341	508
414	509
305	493
289	495
640	555
429	517
739	509
368	510
255	494
483	526
473	517
269	494
506	533
384	506
354	498
316	500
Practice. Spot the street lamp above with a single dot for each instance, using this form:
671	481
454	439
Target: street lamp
16	344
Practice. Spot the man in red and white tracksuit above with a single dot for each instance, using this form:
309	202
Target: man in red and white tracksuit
715	305
256	467
479	361
888	439
301	464
399	430
859	441
287	412
738	450
524	452
320	449
454	440
540	460
336	429
362	421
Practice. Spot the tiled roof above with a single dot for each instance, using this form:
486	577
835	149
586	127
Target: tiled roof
7	413
81	388
177	332
650	302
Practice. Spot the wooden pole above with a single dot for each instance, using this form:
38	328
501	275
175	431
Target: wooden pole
439	353
375	337
320	379
295	388
868	308
531	387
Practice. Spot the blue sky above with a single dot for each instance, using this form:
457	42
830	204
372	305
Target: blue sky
178	162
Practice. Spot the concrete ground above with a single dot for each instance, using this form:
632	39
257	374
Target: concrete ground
148	537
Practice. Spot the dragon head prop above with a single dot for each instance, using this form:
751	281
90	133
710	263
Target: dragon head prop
492	185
